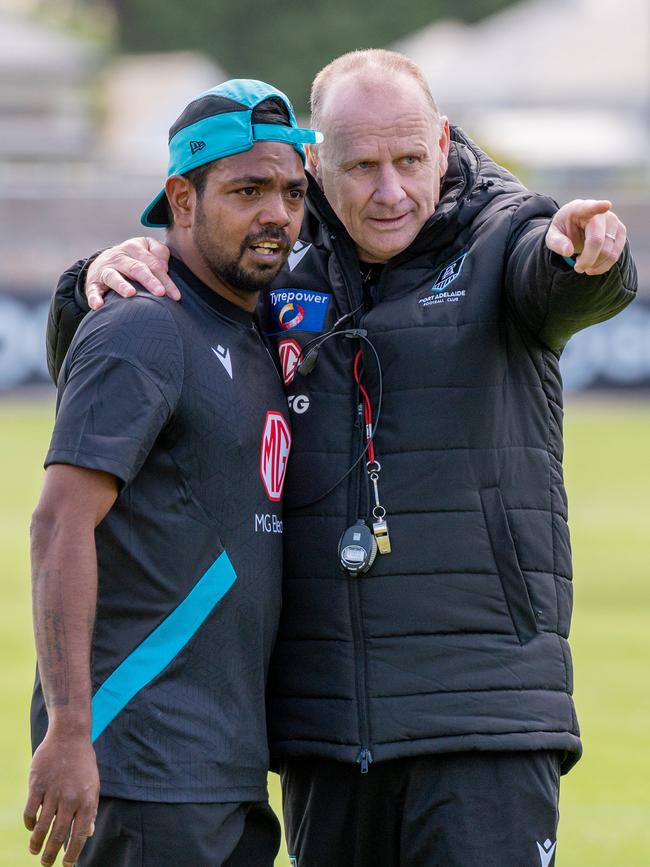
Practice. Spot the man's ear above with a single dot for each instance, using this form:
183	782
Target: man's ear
313	164
181	195
444	141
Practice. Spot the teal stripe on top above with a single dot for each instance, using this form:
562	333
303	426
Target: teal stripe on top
159	648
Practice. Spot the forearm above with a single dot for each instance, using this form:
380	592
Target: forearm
64	592
553	301
67	308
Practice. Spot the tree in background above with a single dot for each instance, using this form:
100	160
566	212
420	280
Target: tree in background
284	42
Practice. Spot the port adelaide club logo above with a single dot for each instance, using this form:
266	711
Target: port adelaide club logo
274	454
439	292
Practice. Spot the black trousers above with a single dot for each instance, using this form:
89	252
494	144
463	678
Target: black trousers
468	809
147	834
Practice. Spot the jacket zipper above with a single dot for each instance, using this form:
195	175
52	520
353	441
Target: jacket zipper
364	756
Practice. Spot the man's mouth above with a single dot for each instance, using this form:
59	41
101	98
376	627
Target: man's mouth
390	222
267	248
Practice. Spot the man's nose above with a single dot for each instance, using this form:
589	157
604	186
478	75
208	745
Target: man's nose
388	190
274	211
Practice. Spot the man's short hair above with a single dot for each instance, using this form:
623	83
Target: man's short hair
373	60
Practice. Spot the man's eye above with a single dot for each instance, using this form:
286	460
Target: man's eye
248	191
410	160
296	194
363	164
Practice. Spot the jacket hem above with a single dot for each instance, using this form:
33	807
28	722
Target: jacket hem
564	742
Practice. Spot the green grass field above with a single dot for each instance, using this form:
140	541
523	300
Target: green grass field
605	801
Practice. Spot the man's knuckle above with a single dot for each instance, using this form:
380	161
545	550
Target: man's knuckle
157	266
42	824
139	269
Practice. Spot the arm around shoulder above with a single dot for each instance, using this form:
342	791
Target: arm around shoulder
67	309
547	294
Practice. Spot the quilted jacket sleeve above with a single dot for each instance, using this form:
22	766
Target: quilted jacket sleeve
67	309
545	293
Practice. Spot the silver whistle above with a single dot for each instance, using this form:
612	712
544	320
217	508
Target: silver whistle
380	532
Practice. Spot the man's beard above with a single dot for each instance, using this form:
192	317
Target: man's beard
228	270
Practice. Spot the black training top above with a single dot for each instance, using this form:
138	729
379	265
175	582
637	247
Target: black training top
183	403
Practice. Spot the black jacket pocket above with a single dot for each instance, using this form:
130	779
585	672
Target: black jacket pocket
505	556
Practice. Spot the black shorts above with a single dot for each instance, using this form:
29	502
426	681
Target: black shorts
149	834
457	810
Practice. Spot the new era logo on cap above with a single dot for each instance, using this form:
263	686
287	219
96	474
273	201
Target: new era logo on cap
227	119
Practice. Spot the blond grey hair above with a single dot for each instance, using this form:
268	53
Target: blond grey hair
370	60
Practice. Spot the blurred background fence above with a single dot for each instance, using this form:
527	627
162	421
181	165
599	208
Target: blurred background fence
558	90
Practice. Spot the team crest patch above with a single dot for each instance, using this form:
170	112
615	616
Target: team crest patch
439	293
289	352
274	454
448	274
299	309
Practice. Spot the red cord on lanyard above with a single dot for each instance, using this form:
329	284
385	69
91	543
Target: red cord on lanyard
373	467
367	408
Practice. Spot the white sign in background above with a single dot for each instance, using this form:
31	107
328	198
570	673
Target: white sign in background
614	354
22	342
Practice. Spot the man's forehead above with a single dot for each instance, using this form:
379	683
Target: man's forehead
363	94
406	132
384	112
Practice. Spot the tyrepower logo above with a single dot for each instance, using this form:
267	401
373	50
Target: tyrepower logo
276	444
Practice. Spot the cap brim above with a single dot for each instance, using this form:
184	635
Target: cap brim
155	215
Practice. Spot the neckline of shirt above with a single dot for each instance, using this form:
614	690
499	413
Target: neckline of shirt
217	302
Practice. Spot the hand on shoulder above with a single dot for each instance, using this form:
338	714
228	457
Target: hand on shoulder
142	260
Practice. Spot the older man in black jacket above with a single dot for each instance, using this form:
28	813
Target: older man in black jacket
420	700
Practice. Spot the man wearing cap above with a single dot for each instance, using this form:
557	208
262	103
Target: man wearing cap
156	543
420	706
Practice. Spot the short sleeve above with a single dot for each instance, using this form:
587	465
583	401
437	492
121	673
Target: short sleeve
119	386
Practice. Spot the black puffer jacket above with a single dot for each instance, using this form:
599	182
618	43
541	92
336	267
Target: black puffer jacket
457	640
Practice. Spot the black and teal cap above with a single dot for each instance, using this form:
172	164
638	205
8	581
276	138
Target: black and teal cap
225	120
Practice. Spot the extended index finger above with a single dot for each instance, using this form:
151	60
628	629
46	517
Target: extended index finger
585	209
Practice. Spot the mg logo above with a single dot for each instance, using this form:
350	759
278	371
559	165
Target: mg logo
276	443
299	403
289	351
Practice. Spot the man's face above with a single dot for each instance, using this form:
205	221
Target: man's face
249	216
382	161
